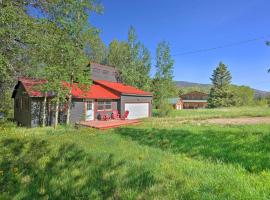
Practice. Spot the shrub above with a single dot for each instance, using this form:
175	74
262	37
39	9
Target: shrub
165	109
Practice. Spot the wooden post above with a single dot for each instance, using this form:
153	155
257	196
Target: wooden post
69	99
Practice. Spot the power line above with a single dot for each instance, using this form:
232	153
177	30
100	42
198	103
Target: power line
221	47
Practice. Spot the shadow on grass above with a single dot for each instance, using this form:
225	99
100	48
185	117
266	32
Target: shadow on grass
35	169
226	146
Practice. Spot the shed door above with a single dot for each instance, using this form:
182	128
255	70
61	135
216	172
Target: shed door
137	110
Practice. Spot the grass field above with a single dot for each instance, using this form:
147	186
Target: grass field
221	112
158	159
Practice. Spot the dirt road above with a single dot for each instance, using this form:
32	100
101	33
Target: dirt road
247	120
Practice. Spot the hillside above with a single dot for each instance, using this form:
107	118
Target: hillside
206	87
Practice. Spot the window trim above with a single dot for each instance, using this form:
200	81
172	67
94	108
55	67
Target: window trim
104	103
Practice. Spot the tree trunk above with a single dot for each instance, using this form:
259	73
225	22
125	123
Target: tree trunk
68	108
44	110
69	100
56	112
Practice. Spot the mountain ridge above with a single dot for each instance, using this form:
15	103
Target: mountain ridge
186	84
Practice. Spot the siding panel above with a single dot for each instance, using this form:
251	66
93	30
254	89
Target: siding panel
102	72
103	112
77	113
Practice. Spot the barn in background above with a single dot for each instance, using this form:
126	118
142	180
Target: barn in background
194	100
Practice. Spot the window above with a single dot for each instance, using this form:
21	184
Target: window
104	105
108	105
95	70
105	72
89	105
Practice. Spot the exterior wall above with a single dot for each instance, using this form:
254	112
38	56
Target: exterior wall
194	105
135	99
194	96
97	112
102	72
77	112
21	115
36	111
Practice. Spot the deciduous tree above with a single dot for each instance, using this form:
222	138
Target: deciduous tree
56	40
163	86
132	59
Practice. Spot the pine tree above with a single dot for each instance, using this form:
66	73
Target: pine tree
220	93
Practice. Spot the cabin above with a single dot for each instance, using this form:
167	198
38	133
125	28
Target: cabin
106	95
194	100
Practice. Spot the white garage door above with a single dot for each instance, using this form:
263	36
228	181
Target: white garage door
137	110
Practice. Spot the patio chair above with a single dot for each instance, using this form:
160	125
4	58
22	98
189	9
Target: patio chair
115	114
125	115
106	117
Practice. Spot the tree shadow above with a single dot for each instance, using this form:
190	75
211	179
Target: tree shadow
37	169
226	146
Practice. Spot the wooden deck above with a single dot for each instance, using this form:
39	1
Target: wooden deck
108	124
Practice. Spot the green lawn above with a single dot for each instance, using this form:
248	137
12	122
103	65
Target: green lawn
221	112
154	160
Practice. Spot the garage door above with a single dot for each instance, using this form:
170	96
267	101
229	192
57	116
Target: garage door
137	110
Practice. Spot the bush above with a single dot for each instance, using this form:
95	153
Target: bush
165	109
262	102
6	104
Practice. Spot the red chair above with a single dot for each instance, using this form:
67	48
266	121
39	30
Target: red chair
106	117
125	115
115	114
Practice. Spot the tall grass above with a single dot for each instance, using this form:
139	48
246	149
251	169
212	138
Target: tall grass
150	161
220	112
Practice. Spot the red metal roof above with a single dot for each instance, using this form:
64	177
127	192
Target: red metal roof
31	86
94	92
121	88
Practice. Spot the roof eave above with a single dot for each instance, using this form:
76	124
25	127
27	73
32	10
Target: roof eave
132	94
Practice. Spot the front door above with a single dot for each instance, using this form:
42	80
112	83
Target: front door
89	110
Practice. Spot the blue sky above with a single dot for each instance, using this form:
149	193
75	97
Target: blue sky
190	25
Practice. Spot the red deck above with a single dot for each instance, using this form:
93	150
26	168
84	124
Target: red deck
108	124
